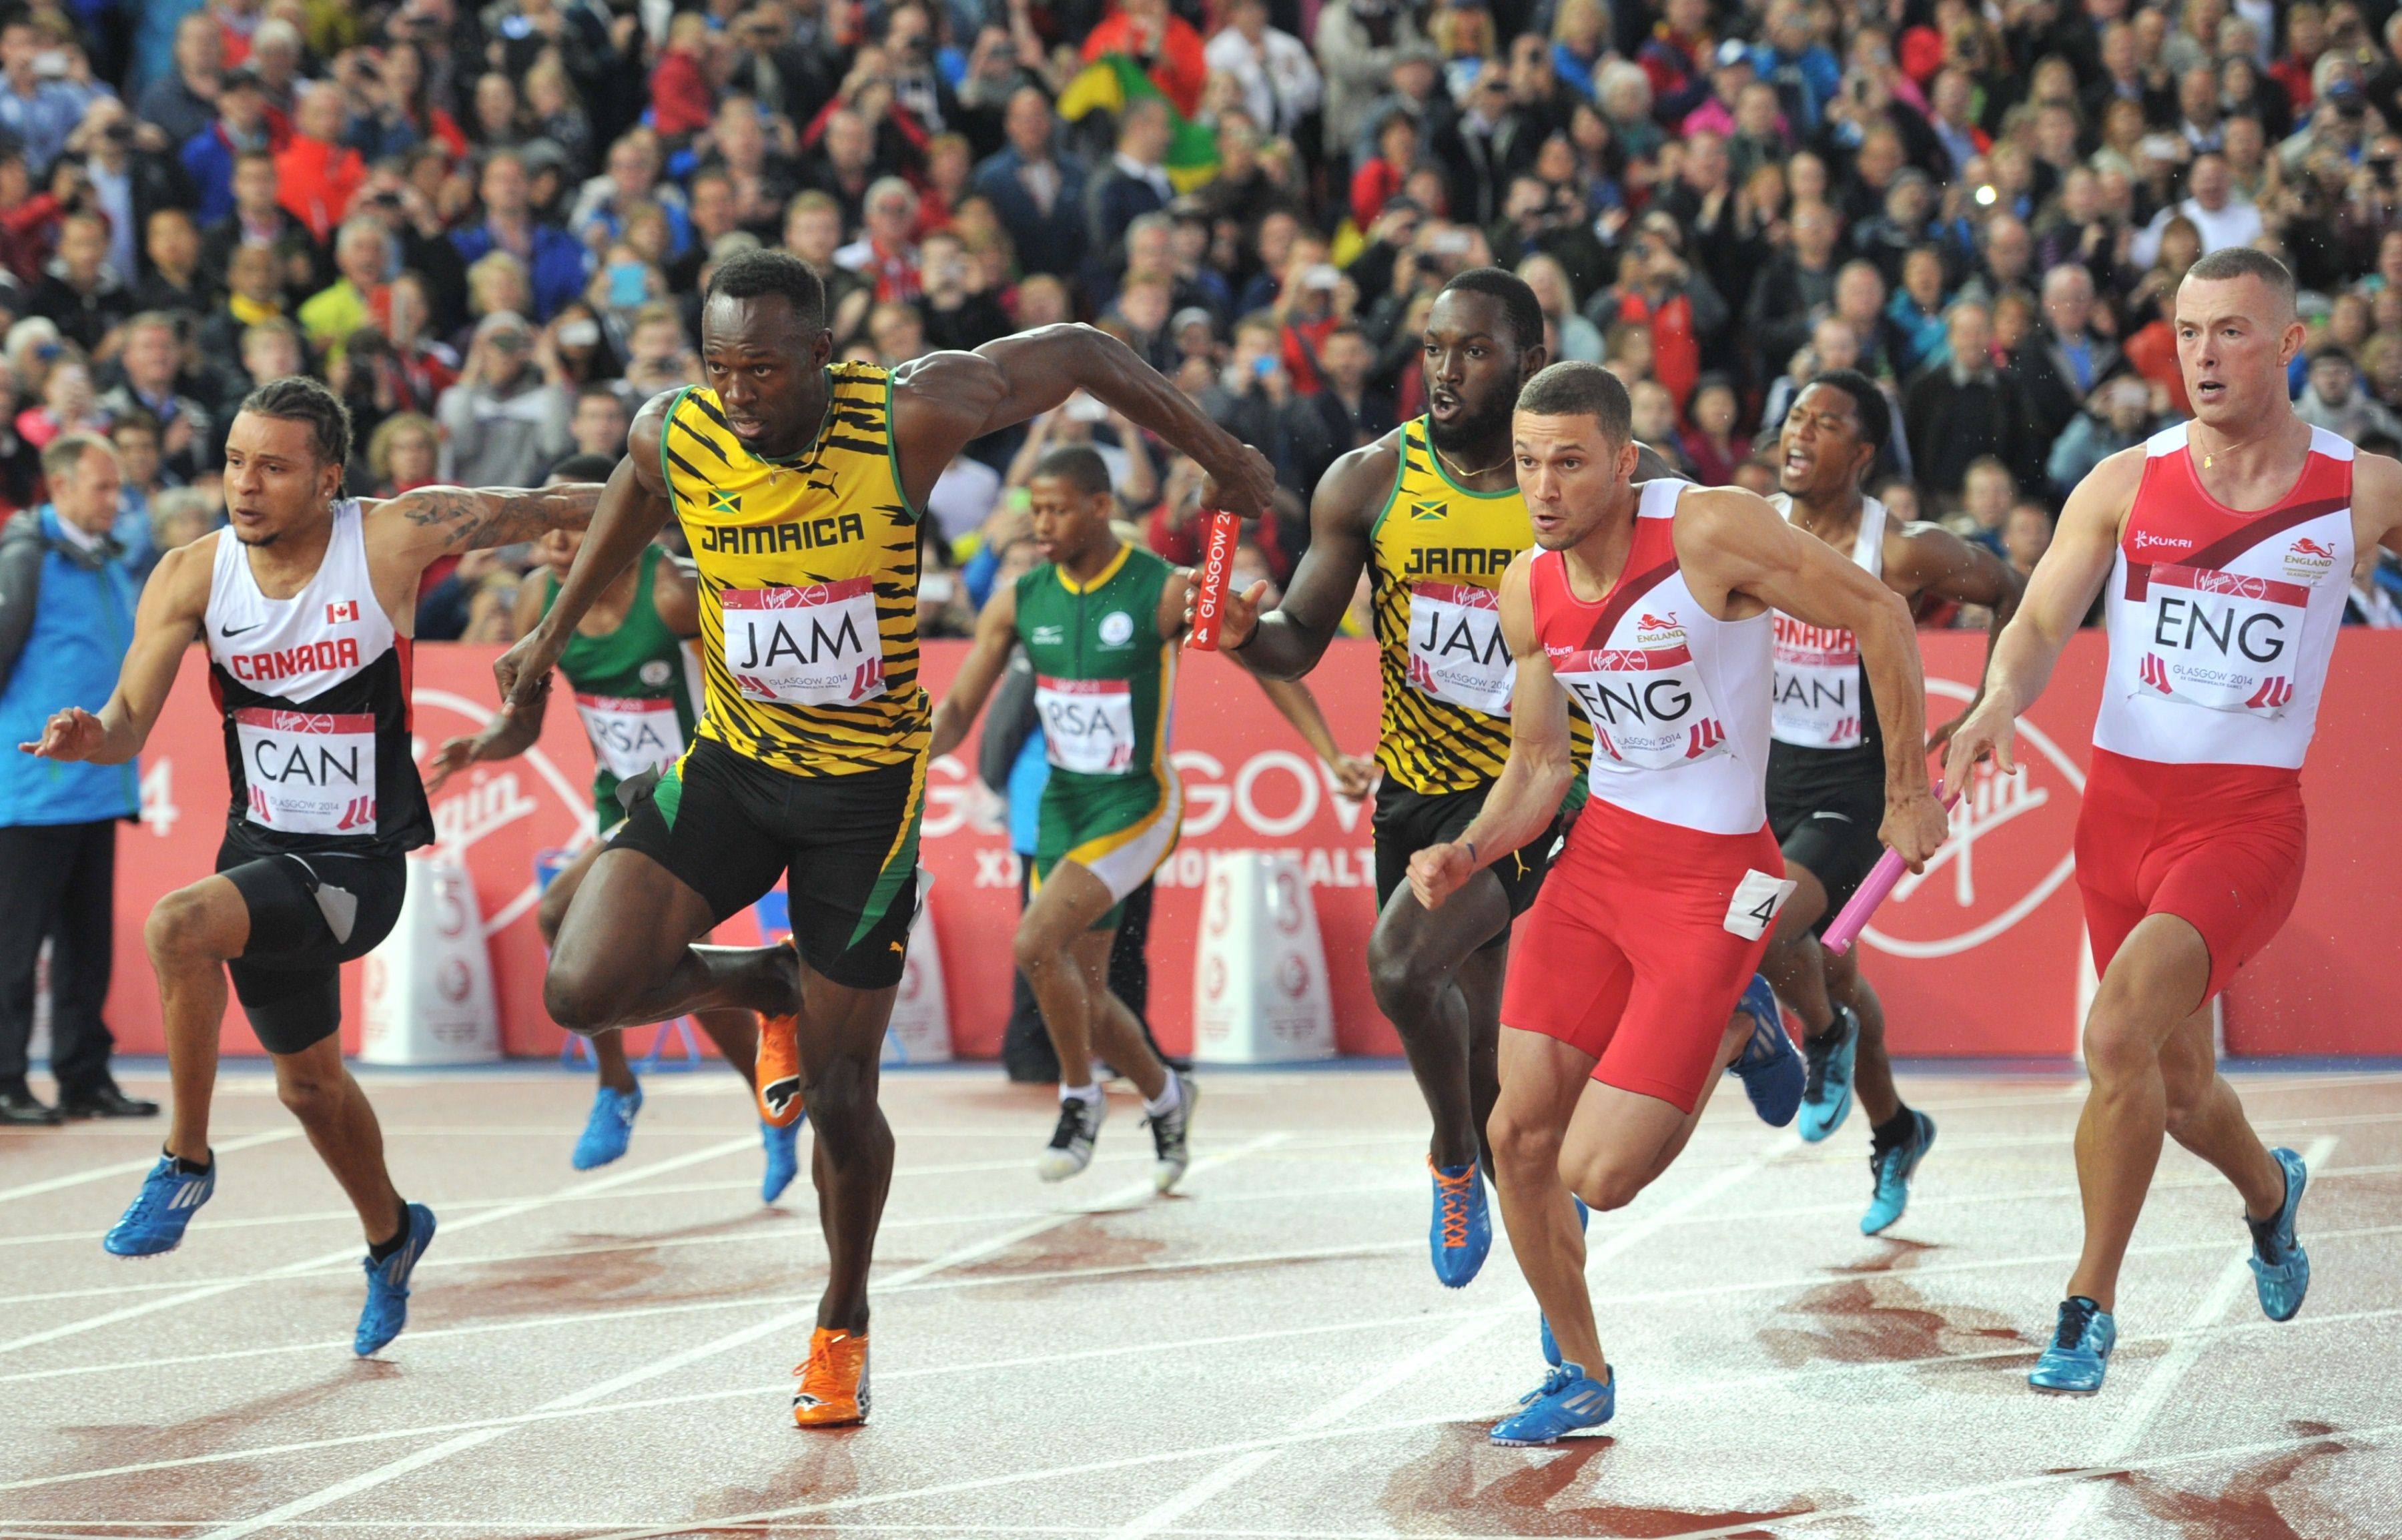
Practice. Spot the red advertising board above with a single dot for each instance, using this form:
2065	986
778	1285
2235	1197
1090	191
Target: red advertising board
1979	956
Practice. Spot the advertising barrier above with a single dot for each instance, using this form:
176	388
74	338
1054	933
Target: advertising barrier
1979	956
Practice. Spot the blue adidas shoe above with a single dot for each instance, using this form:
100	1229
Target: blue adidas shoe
1893	1170
2281	1269
1462	1232
154	1222
1826	1084
1769	1064
1567	1402
783	1163
2080	1353
607	1130
387	1306
1551	1344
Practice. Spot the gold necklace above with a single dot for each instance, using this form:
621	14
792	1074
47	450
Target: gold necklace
1458	474
2210	457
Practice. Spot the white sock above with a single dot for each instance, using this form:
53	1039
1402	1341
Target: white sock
1090	1091
1169	1096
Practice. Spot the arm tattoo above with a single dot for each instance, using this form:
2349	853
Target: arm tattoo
477	520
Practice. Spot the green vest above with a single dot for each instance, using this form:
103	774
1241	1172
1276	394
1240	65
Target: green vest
631	690
1103	675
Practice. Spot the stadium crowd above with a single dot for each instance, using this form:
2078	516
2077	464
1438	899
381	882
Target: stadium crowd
488	228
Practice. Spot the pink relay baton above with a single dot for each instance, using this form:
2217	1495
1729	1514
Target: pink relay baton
1881	878
1217	565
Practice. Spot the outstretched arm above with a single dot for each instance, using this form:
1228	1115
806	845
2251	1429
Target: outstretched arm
507	736
1537	773
630	511
172	605
1939	563
1287	641
1354	777
943	401
2059	593
995	632
1732	541
431	522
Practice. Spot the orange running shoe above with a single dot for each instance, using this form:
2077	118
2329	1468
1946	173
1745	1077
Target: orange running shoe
776	1074
833	1382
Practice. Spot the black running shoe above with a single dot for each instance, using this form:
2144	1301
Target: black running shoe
1170	1156
1071	1142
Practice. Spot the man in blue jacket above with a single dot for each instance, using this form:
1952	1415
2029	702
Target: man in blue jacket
66	618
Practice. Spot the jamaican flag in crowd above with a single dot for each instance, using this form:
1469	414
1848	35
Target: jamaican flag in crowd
1112	81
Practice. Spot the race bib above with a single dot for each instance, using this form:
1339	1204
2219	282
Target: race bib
813	645
308	772
1817	703
1648	706
1088	723
1756	899
631	737
2223	641
1457	653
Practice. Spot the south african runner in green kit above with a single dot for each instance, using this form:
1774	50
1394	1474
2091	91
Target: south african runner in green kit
1100	621
627	667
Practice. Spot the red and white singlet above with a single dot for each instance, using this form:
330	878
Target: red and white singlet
314	690
2222	626
1678	699
2221	622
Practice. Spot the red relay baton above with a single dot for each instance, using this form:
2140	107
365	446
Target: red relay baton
1871	892
1217	565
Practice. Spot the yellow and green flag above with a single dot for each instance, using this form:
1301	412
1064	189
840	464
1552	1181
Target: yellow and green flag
1112	81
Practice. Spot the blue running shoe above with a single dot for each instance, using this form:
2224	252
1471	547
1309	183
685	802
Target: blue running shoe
387	1307
1551	1344
2281	1269
2079	1351
1462	1230
1769	1065
155	1221
1567	1402
607	1130
1893	1169
1826	1088
784	1165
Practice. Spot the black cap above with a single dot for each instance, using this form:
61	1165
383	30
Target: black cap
242	77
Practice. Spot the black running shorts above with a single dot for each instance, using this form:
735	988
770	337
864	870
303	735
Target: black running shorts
727	827
311	911
1832	830
1408	821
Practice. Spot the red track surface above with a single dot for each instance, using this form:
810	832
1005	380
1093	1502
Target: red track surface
1267	1354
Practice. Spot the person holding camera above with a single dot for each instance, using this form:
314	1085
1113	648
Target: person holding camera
504	421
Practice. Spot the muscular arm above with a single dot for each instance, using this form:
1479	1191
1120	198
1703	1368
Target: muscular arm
943	401
417	528
1536	775
629	512
172	605
1935	561
995	632
1731	544
2057	596
2377	503
1287	641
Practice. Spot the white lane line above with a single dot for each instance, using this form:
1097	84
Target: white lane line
131	1168
351	1254
1682	1391
784	1320
1391	1378
2153	1393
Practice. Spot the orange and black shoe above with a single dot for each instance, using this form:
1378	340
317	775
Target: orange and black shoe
776	1074
833	1382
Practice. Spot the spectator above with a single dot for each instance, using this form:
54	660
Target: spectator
659	355
1359	44
1964	409
2218	216
2118	416
1348	413
363	257
1795	285
174	282
271	349
152	361
844	164
2026	534
255	217
66	616
39	110
813	233
1711	443
1380	176
2335	399
886	252
405	453
1163	44
1988	490
554	262
1279	80
1135	184
316	174
253	294
79	292
2060	365
503	424
1038	193
960	313
683	101
184	102
134	436
212	156
600	423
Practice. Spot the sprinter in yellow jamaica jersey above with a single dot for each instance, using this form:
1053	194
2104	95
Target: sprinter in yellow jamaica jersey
799	484
1431	511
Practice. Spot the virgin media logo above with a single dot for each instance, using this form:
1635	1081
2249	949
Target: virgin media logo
2013	845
